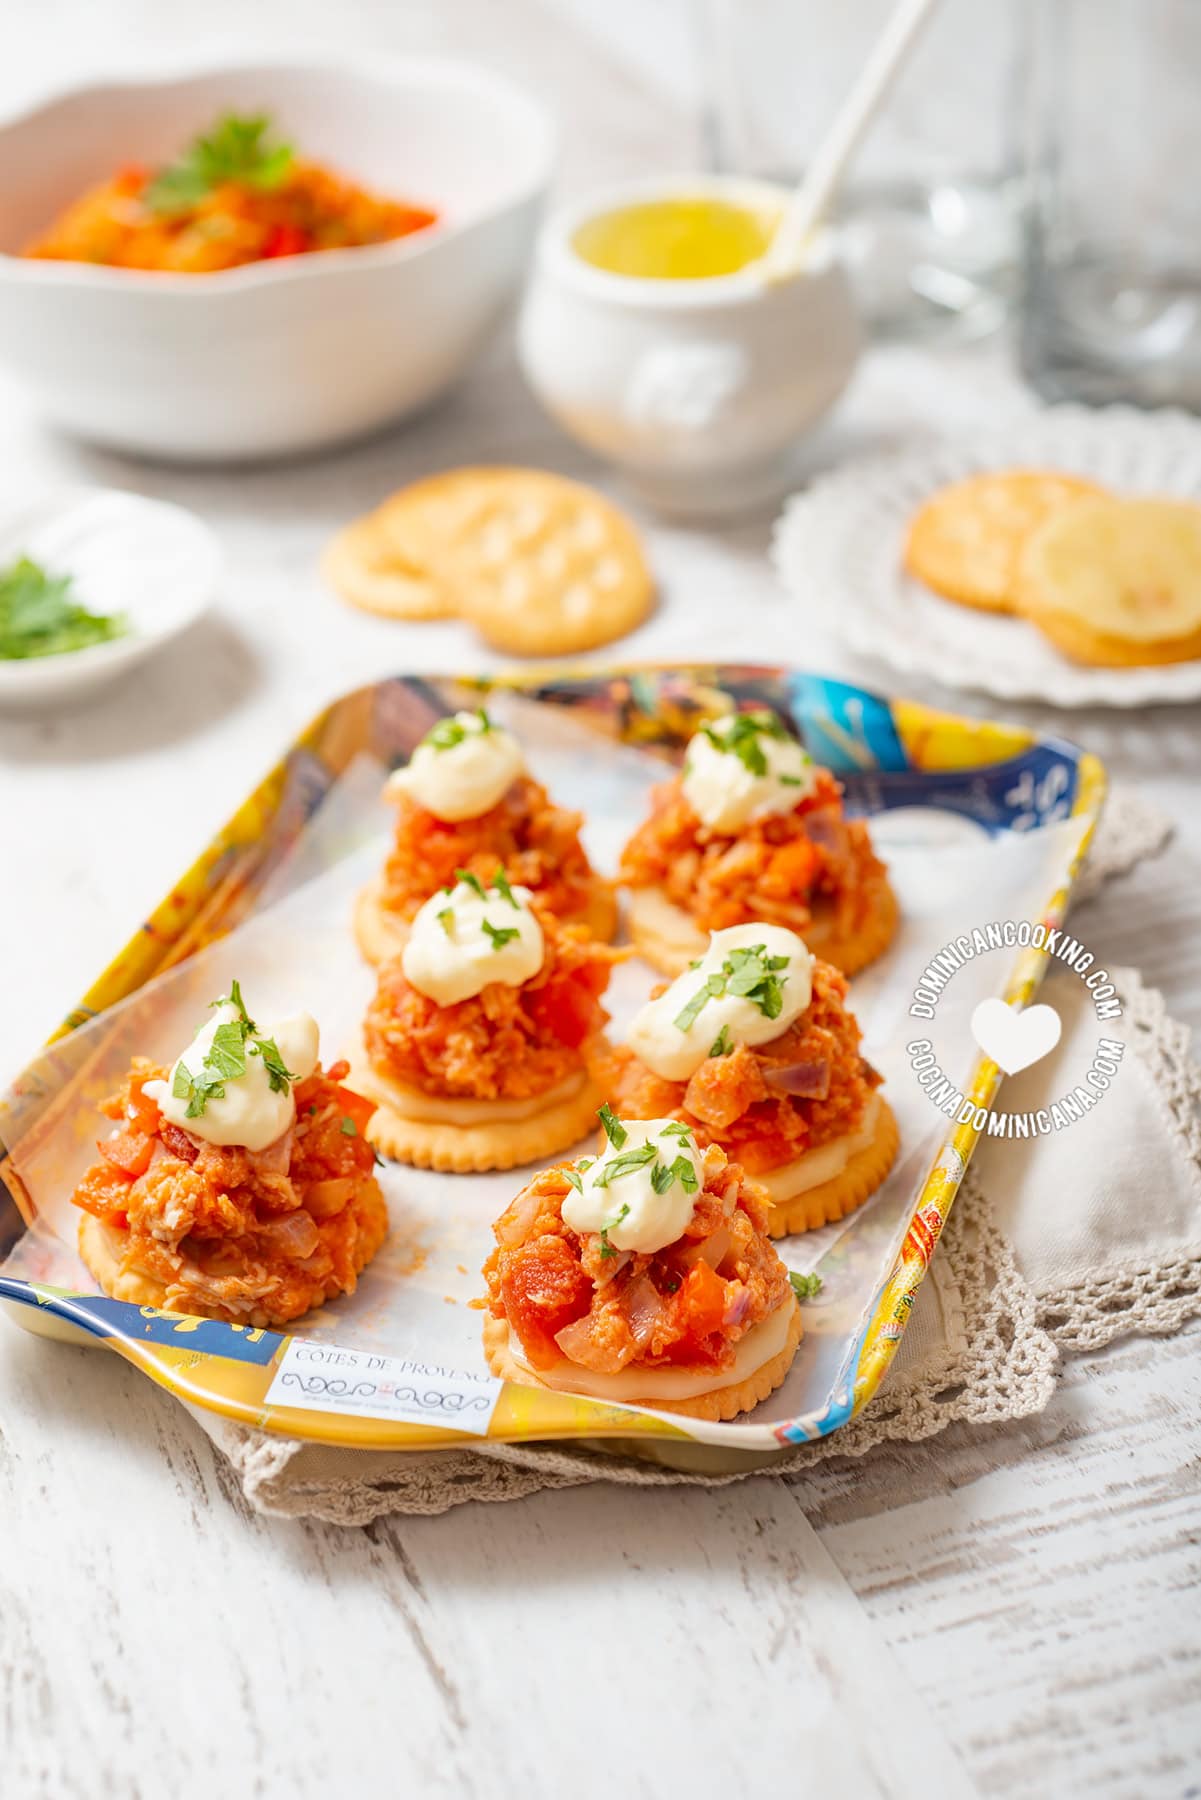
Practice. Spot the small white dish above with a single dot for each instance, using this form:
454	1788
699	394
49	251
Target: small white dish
697	389
838	551
156	564
300	352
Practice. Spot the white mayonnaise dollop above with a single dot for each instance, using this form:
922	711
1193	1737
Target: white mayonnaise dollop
631	1213
726	792
462	940
676	1051
249	1112
461	769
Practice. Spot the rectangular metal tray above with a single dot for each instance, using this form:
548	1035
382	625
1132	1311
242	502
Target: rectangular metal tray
911	767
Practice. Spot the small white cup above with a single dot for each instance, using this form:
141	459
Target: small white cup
697	389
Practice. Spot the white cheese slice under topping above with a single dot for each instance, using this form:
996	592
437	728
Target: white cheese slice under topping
462	940
642	1191
462	768
753	771
747	999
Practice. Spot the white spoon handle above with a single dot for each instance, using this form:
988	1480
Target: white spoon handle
812	198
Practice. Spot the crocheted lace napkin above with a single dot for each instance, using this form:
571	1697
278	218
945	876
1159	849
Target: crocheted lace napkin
1043	1253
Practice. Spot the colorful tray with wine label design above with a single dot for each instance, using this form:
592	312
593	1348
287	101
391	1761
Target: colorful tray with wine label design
977	821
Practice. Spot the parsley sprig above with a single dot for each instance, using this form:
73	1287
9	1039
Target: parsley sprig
499	935
449	732
225	1059
38	617
746	974
738	735
608	1226
239	148
805	1287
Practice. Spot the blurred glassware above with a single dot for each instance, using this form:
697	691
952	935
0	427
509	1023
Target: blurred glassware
1113	231
930	217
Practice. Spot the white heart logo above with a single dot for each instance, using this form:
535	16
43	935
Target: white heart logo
1015	1040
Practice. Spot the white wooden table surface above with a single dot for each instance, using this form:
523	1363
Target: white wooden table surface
1005	1612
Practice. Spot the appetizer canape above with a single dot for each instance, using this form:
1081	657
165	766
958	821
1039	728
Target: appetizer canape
239	1183
237	194
475	1045
644	1275
751	829
754	1049
465	801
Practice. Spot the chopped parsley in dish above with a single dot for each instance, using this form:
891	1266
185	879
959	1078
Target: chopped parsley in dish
39	616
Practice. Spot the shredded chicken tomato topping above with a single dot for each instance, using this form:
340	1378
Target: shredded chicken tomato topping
508	1043
536	842
734	1101
239	1234
777	869
688	1304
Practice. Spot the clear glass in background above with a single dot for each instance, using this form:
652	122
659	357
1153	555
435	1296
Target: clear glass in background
1113	232
931	212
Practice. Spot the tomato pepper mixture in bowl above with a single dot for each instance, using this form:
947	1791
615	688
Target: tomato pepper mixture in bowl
752	829
236	195
644	1275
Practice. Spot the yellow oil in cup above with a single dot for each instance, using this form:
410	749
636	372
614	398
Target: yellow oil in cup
675	240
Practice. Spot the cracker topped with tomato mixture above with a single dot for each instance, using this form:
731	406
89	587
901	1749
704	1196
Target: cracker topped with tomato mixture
643	1275
753	829
755	1049
465	800
475	1047
238	1183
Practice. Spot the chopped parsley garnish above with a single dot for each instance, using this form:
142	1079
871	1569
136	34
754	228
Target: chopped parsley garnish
467	879
609	1224
227	1052
681	1170
747	974
615	1131
740	737
500	882
38	617
239	149
805	1287
790	781
624	1163
499	934
225	1059
575	1175
446	918
278	1074
234	999
449	732
721	1045
678	1129
348	1127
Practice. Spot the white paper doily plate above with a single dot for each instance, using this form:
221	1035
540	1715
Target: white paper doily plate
838	551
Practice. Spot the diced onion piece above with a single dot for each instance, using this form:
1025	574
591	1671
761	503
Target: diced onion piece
325	1198
295	1236
803	1080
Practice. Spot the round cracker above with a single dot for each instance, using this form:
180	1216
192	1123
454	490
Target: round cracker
669	938
102	1249
1117	583
541	566
363	567
458	1148
834	1199
720	1403
966	541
